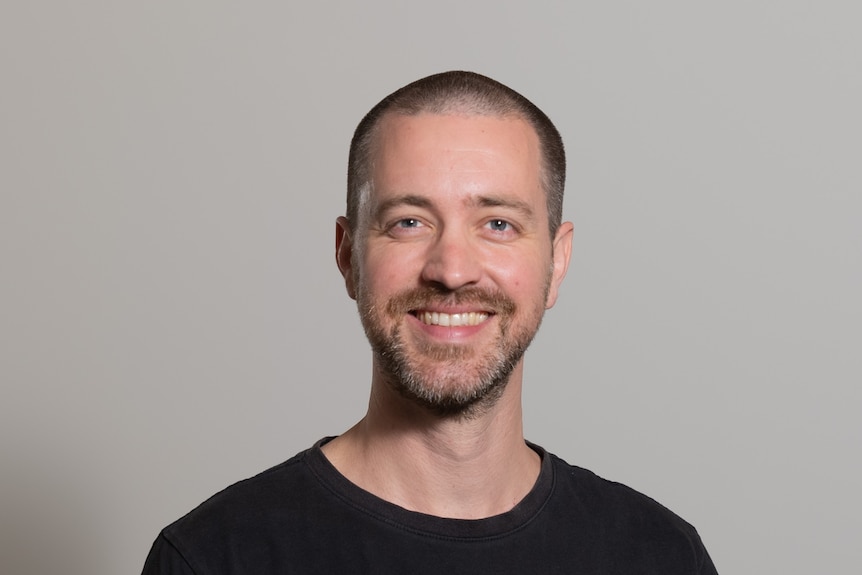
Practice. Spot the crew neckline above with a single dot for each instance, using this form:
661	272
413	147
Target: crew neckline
430	525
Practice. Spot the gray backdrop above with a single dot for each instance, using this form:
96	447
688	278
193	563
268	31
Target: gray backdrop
171	318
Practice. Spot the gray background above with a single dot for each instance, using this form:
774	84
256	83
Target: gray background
171	318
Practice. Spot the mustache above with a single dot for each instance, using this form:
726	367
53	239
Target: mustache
493	301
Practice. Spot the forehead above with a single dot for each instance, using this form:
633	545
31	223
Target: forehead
455	149
428	131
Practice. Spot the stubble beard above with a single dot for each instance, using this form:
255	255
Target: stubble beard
450	380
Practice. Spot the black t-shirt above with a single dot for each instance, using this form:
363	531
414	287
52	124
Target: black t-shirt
303	516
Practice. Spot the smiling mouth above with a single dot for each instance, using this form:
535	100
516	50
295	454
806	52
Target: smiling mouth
450	319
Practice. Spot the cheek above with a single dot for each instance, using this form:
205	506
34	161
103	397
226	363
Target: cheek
386	273
525	277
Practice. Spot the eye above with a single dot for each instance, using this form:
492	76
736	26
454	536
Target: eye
498	225
406	228
408	223
501	230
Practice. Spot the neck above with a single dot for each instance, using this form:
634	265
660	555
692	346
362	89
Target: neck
460	467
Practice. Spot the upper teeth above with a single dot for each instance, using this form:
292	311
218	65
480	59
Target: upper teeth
452	319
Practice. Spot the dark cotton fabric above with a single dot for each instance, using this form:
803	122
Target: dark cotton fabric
303	516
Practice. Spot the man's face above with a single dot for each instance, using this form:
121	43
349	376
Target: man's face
451	262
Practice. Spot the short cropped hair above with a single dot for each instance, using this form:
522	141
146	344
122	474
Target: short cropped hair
458	93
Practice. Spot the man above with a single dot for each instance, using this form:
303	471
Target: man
453	248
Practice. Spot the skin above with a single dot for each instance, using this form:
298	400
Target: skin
456	207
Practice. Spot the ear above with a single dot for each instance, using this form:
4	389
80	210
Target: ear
562	254
344	254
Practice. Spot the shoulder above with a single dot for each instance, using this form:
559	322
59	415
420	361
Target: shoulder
253	496
239	514
597	494
623	518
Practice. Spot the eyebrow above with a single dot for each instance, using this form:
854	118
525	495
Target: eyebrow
503	202
403	200
484	201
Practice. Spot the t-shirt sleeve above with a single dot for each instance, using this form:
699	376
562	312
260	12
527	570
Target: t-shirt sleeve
165	559
707	567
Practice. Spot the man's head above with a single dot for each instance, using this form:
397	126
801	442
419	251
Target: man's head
451	251
463	93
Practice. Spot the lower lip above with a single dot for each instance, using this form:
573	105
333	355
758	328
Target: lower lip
449	333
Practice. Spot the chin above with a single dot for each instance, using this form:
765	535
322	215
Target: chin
455	390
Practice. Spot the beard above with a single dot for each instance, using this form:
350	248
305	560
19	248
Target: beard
451	380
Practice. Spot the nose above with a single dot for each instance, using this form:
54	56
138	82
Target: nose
452	262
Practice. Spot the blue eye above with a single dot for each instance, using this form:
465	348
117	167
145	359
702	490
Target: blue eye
499	225
407	228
